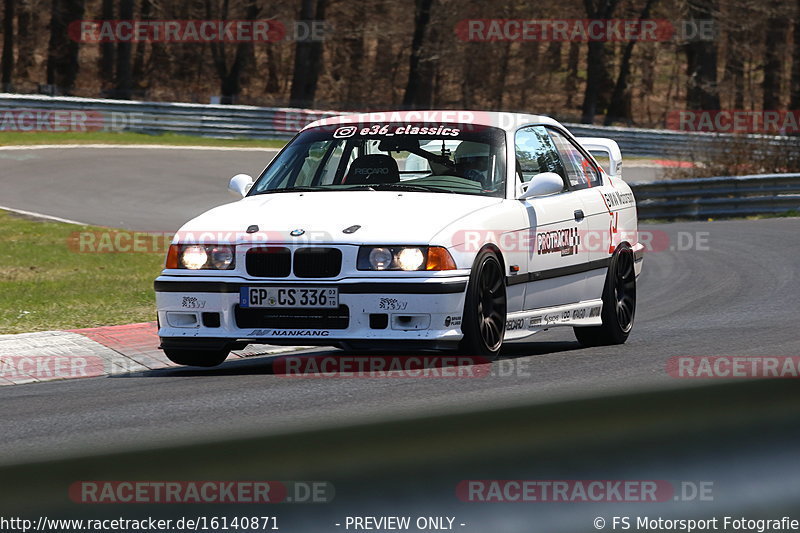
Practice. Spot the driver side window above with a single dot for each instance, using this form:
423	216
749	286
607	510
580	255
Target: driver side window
536	153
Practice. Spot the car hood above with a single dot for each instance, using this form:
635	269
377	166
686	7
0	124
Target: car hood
384	217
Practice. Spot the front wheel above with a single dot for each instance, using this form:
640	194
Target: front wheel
619	303
205	358
484	321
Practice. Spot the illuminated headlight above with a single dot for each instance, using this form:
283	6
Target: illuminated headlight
407	258
410	258
201	256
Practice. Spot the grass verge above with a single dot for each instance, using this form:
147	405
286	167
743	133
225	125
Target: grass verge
103	137
47	285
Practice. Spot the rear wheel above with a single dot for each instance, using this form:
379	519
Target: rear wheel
619	303
188	357
485	308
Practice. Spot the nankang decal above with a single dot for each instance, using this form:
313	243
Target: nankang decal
289	333
565	241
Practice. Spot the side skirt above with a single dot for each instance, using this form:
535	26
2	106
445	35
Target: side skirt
522	324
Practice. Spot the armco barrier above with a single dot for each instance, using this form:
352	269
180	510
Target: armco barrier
283	123
718	197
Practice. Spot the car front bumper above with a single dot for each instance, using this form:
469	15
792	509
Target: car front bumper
198	312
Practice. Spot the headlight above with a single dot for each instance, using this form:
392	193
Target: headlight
221	257
408	258
380	258
194	257
201	256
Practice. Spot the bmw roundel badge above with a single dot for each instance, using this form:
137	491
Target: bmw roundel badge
297	232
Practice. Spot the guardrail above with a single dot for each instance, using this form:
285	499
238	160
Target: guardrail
282	123
718	197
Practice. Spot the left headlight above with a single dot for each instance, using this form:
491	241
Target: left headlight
406	258
201	256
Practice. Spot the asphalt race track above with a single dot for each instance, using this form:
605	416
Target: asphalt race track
735	293
132	188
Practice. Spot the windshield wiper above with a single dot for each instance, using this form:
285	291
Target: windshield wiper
294	189
408	187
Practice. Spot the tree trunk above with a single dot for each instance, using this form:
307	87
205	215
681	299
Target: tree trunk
702	92
62	52
620	106
419	89
734	66
794	96
8	44
571	81
107	52
138	60
26	39
774	49
307	58
598	82
124	84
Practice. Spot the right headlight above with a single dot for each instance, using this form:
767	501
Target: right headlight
405	258
201	256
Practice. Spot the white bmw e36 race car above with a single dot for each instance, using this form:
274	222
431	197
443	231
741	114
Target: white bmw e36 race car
410	230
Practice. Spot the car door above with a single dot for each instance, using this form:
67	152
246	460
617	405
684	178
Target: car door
555	257
586	183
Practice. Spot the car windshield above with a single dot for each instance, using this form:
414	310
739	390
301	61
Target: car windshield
438	158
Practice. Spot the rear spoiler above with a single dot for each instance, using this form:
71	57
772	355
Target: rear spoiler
608	147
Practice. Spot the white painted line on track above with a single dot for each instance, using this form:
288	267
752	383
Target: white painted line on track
42	215
139	147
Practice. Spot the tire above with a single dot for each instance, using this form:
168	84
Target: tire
619	303
205	358
485	307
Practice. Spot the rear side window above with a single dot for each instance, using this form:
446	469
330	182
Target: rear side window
536	153
581	172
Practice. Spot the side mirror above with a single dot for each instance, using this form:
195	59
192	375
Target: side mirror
543	184
240	185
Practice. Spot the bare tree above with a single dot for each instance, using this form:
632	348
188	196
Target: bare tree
701	60
598	81
231	75
124	50
794	85
62	52
419	88
620	106
774	52
107	52
307	57
8	44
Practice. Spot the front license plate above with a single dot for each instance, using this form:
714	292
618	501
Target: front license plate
289	297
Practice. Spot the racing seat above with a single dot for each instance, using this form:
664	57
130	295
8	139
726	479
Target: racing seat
372	169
